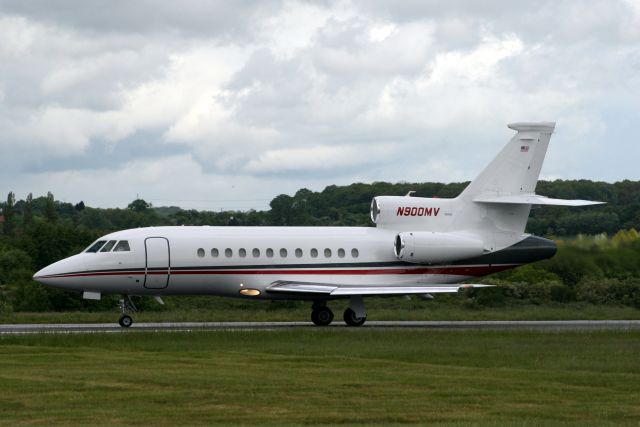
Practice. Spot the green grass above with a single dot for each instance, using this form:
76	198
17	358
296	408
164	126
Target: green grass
223	309
322	376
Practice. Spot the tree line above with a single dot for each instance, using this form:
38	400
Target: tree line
339	205
38	231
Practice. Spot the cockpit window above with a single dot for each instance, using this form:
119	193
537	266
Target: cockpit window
122	246
108	246
96	246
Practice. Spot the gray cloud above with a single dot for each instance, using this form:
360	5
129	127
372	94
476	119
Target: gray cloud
192	18
252	99
108	157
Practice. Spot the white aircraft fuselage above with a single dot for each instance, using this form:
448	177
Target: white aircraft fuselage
418	246
224	261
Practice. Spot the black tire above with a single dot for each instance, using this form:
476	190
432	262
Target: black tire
351	319
125	321
322	316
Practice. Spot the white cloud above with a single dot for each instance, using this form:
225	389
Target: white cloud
268	97
315	158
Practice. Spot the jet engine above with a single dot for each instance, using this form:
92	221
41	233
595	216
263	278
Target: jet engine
425	247
409	212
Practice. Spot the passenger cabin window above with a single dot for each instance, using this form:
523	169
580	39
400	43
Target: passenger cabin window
96	246
256	252
228	253
110	244
314	253
242	252
215	253
341	253
283	253
298	253
269	253
201	253
355	253
327	253
122	246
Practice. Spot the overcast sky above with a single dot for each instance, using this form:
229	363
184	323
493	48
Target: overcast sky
211	105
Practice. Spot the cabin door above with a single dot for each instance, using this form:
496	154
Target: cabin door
158	263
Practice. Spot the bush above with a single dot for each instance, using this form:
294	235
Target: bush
610	291
562	293
31	297
5	306
533	273
12	260
485	297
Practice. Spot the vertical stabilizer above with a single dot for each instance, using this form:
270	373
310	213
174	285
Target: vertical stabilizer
515	170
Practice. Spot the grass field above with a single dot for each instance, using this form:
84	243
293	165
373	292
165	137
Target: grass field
215	309
322	376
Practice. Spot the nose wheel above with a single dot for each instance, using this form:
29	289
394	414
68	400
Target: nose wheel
126	305
125	321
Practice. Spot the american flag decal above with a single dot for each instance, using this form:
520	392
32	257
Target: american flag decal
524	148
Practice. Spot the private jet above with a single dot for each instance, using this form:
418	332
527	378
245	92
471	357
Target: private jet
418	246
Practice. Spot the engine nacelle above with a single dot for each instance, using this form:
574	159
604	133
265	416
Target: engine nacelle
410	212
425	247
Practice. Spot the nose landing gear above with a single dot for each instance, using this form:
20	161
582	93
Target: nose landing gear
126	304
125	321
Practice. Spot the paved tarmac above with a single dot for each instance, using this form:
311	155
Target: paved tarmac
198	326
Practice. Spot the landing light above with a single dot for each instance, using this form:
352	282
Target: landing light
250	292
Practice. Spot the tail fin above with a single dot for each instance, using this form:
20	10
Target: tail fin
516	169
498	201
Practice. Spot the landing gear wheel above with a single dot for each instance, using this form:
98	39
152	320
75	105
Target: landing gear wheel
351	319
322	316
125	321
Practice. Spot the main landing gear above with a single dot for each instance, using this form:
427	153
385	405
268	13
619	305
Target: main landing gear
351	319
126	304
321	315
354	315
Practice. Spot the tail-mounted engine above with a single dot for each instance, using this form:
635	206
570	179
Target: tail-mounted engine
425	247
403	212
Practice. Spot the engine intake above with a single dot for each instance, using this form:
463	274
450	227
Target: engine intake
424	247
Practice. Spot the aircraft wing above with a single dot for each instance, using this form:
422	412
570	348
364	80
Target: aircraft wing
316	289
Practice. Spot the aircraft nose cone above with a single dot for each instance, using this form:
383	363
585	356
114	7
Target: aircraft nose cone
46	273
54	274
39	276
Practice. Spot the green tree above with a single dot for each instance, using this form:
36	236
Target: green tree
50	212
27	214
139	205
281	212
8	212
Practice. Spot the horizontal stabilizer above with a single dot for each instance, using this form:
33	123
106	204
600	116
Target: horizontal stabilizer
533	199
308	288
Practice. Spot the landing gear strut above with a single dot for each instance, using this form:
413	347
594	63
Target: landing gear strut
126	305
321	315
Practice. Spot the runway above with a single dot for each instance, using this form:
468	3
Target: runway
544	325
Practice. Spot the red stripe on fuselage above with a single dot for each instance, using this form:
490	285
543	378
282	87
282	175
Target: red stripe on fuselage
458	271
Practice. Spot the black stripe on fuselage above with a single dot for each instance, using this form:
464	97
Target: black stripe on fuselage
528	250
